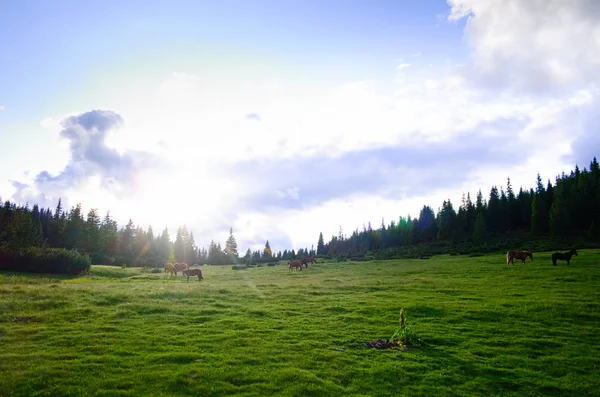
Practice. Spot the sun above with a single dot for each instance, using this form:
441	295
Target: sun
181	196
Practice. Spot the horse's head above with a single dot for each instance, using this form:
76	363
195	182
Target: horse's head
574	252
530	254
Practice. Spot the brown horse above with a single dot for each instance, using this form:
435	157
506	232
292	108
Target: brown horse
169	268
563	256
522	255
180	267
295	264
193	272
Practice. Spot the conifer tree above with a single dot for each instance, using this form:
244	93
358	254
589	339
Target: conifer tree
126	247
231	245
494	212
109	239
92	231
446	221
267	250
74	229
320	245
539	211
426	225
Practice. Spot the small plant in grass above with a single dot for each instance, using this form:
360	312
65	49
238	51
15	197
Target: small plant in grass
404	335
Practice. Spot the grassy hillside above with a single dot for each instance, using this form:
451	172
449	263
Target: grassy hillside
487	329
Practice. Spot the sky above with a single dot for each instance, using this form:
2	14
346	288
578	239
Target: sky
282	120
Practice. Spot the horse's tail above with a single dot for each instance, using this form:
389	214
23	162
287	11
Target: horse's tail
507	257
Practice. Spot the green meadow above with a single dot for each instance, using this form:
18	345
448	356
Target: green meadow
485	328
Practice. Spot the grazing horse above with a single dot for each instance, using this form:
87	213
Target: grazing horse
522	255
169	268
563	256
306	261
180	267
193	272
295	264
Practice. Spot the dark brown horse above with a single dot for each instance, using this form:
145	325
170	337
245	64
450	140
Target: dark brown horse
295	264
193	272
522	255
306	261
563	256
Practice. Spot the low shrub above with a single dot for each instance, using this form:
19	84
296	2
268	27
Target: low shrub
44	260
238	267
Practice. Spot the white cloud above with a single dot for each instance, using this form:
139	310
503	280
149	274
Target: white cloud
349	118
1	108
533	45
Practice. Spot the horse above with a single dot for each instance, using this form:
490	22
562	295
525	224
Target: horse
180	267
296	264
193	272
563	256
522	255
169	268
306	261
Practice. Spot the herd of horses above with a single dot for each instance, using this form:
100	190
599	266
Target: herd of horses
523	255
300	263
173	268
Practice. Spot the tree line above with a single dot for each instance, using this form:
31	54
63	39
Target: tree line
569	207
106	243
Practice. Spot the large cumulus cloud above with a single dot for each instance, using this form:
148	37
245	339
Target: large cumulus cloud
90	156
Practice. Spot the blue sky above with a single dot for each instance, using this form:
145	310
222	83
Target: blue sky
360	109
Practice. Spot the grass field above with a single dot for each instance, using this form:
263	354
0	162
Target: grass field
487	329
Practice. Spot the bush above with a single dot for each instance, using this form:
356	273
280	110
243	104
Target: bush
272	264
156	270
238	267
44	260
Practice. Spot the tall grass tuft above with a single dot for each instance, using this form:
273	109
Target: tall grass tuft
404	335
